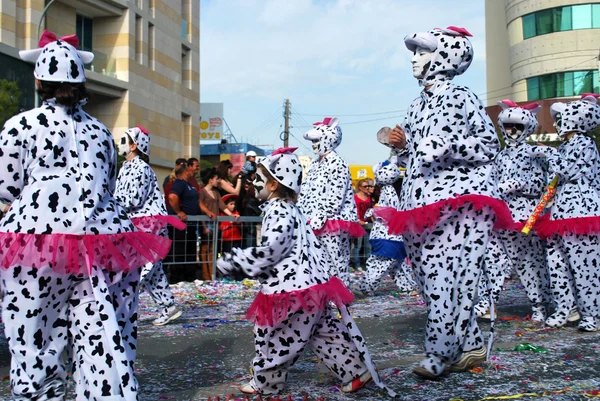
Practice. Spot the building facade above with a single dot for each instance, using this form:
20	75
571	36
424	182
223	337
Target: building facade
541	50
146	69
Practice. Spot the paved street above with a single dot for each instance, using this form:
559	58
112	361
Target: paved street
207	352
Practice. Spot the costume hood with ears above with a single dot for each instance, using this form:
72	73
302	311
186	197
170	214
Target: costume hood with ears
525	115
326	135
451	48
387	172
58	60
578	116
141	137
285	167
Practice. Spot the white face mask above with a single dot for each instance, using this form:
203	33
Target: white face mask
123	147
260	184
421	62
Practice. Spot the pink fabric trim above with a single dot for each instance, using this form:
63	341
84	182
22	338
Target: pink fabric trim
272	309
575	225
154	224
418	219
335	226
76	254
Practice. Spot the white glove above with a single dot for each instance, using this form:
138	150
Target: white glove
225	264
369	213
318	221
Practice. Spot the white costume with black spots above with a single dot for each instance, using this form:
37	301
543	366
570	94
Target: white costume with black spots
387	250
70	256
447	205
138	193
572	231
326	197
292	310
521	180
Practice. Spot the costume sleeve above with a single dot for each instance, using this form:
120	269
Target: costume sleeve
276	243
112	161
576	161
402	154
14	160
335	189
471	139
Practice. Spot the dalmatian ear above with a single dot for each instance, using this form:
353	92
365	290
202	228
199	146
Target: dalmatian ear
506	104
534	108
376	168
334	122
394	160
590	99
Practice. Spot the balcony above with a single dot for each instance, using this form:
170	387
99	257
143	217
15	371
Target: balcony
103	64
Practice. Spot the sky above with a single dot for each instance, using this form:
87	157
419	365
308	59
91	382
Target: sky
330	58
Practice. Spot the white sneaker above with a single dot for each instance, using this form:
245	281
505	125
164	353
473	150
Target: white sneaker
170	314
573	315
588	323
539	314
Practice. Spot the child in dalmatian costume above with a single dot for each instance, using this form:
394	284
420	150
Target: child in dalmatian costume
521	180
448	202
70	257
326	197
573	229
387	250
138	193
293	309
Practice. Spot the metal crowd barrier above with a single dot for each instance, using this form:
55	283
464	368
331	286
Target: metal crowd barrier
194	253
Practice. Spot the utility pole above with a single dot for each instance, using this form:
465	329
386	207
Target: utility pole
286	133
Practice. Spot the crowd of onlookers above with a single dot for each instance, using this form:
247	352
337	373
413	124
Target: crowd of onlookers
217	194
220	194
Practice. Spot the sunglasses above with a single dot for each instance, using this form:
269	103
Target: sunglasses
367	186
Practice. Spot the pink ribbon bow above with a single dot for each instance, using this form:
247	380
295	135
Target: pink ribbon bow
461	31
144	130
590	94
529	106
282	151
325	121
49	37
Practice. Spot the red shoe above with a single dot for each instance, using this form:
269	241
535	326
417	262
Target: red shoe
357	383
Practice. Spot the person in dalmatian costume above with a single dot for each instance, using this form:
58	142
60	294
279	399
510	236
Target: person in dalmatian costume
70	257
139	195
294	308
326	197
573	229
521	181
448	205
387	251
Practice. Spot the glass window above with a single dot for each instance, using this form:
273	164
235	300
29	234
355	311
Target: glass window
583	82
547	86
533	88
582	16
595	82
595	15
529	26
564	84
85	33
543	22
561	19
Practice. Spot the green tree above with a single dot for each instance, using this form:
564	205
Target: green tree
9	100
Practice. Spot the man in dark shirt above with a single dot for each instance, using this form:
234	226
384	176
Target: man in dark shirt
193	167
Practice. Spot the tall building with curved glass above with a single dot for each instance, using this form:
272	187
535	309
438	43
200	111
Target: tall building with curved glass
541	50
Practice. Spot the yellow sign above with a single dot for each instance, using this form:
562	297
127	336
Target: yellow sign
210	135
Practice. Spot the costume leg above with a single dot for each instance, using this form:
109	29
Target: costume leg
155	281
527	254
403	276
377	266
559	274
331	343
338	247
492	280
104	332
448	259
35	313
583	254
278	348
